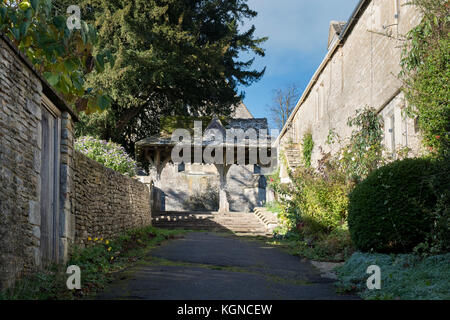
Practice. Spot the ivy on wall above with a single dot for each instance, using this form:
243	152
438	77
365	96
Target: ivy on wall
426	74
308	146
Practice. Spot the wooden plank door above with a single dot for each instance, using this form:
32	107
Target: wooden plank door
50	187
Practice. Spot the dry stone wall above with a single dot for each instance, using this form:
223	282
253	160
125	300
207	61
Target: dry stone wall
44	211
20	154
106	203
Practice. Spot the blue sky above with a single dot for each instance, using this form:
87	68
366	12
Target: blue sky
298	33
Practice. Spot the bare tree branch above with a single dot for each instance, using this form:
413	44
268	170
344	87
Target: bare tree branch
284	102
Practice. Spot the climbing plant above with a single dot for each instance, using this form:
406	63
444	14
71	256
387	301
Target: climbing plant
426	74
308	145
364	152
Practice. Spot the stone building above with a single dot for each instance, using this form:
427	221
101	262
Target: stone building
360	69
195	186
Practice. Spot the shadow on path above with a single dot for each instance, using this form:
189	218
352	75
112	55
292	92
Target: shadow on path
210	266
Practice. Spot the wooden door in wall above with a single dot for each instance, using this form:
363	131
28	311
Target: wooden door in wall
50	168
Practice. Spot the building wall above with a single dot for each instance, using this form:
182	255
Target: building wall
20	164
105	202
362	72
196	188
67	191
89	200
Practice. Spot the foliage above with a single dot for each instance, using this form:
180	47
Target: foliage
93	124
364	152
63	56
391	211
274	182
307	145
315	206
98	263
288	217
438	239
273	206
322	202
426	73
173	57
313	211
334	246
110	154
403	276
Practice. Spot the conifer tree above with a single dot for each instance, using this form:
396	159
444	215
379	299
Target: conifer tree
171	57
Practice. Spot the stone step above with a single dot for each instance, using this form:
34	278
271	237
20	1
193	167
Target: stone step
212	223
238	222
293	157
176	218
212	228
238	231
268	218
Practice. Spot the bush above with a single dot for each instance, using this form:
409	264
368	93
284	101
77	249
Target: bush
110	154
438	240
391	210
274	207
312	211
403	276
333	246
322	201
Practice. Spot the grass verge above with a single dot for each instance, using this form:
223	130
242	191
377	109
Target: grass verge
403	276
98	263
334	247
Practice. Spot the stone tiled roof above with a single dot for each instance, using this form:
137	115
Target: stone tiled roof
259	126
338	26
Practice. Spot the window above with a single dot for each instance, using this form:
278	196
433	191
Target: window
181	167
416	124
405	129
390	132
